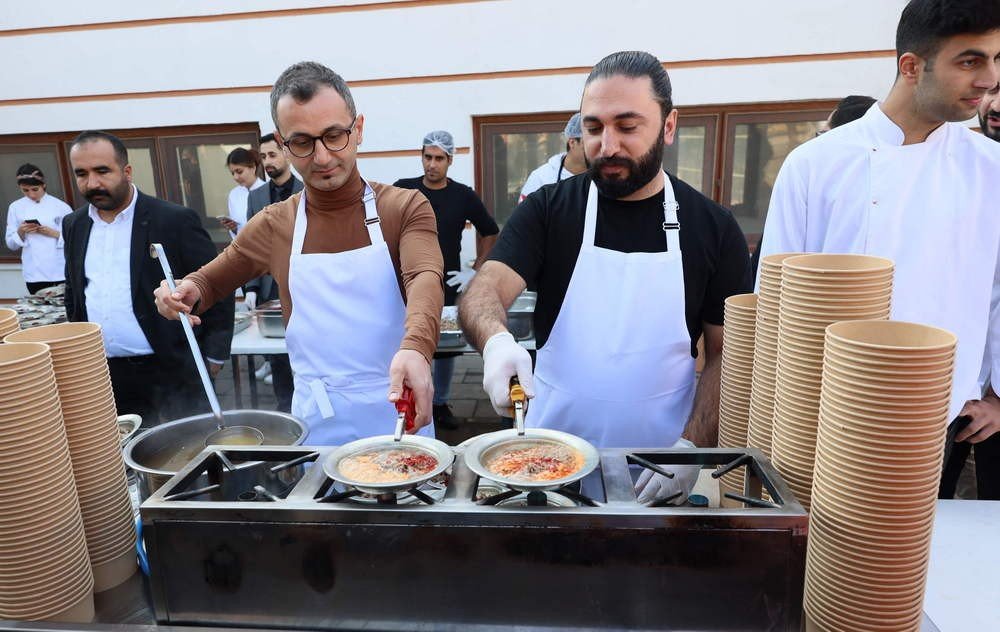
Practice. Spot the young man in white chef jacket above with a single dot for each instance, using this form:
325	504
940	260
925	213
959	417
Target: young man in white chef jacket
910	182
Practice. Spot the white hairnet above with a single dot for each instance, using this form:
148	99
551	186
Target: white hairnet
573	128
442	139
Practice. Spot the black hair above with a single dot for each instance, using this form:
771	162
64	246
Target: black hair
302	80
30	175
849	109
635	64
241	156
121	153
268	138
925	24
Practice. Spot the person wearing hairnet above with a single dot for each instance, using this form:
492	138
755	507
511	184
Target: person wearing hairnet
454	204
561	166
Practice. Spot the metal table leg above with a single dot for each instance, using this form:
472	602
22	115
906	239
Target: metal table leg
237	387
251	369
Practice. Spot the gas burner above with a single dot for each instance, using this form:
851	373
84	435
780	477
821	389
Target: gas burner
241	476
491	493
661	463
428	493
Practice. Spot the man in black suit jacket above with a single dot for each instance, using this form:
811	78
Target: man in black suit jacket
110	278
280	186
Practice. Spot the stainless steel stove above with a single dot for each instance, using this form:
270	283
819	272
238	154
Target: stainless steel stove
282	545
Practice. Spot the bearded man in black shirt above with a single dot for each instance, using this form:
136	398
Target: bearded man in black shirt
632	267
454	204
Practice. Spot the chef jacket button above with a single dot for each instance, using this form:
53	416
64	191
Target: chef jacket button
875	202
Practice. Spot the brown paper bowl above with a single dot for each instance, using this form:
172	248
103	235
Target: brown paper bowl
63	334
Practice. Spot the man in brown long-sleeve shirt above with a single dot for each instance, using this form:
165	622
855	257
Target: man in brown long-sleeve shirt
358	266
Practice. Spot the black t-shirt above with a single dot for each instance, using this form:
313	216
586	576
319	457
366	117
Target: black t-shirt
453	206
542	239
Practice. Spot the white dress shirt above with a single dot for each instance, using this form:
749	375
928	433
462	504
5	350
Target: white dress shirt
932	207
41	256
107	268
238	197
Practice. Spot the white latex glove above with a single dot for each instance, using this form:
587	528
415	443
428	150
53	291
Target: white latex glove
503	358
460	278
652	486
250	300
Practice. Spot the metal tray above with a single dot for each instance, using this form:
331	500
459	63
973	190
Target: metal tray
521	316
269	320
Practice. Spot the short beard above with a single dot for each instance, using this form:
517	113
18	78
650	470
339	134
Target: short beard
640	173
988	132
275	173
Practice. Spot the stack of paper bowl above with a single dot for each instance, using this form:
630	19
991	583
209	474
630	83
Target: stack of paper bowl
765	358
816	291
45	571
8	322
883	418
737	372
88	410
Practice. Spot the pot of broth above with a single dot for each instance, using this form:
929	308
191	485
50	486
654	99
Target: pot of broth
160	452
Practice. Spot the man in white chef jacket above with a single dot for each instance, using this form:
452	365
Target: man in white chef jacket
910	182
631	266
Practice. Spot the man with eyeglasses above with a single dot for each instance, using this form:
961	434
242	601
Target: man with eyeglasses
357	264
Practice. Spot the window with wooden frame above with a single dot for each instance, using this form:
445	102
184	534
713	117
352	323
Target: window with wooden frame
731	153
185	164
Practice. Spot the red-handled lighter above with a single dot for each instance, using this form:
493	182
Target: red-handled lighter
406	408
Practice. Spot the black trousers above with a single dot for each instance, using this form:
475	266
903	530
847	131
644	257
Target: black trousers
987	455
34	286
284	383
144	386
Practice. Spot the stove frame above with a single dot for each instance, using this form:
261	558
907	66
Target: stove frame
298	563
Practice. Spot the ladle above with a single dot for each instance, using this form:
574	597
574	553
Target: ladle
223	435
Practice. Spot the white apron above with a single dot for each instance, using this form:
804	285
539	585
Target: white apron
346	325
617	368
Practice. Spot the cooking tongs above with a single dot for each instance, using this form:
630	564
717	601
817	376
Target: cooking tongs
407	413
519	402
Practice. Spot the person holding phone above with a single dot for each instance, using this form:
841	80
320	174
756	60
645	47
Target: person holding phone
243	165
34	227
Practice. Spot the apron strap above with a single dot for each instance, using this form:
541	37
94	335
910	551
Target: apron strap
671	225
372	220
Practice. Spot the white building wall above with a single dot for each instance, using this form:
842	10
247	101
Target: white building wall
179	51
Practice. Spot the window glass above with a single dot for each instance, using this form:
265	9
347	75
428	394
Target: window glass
12	157
685	158
515	156
197	176
758	150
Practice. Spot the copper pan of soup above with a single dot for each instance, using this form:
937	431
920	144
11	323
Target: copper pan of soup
384	464
540	459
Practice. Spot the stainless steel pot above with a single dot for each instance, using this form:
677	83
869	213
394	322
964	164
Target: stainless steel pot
160	452
484	447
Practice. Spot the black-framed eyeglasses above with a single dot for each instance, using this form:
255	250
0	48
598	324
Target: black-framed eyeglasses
303	145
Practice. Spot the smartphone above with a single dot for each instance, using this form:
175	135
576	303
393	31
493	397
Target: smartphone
33	221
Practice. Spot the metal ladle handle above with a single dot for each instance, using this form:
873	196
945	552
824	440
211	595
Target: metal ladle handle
156	251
